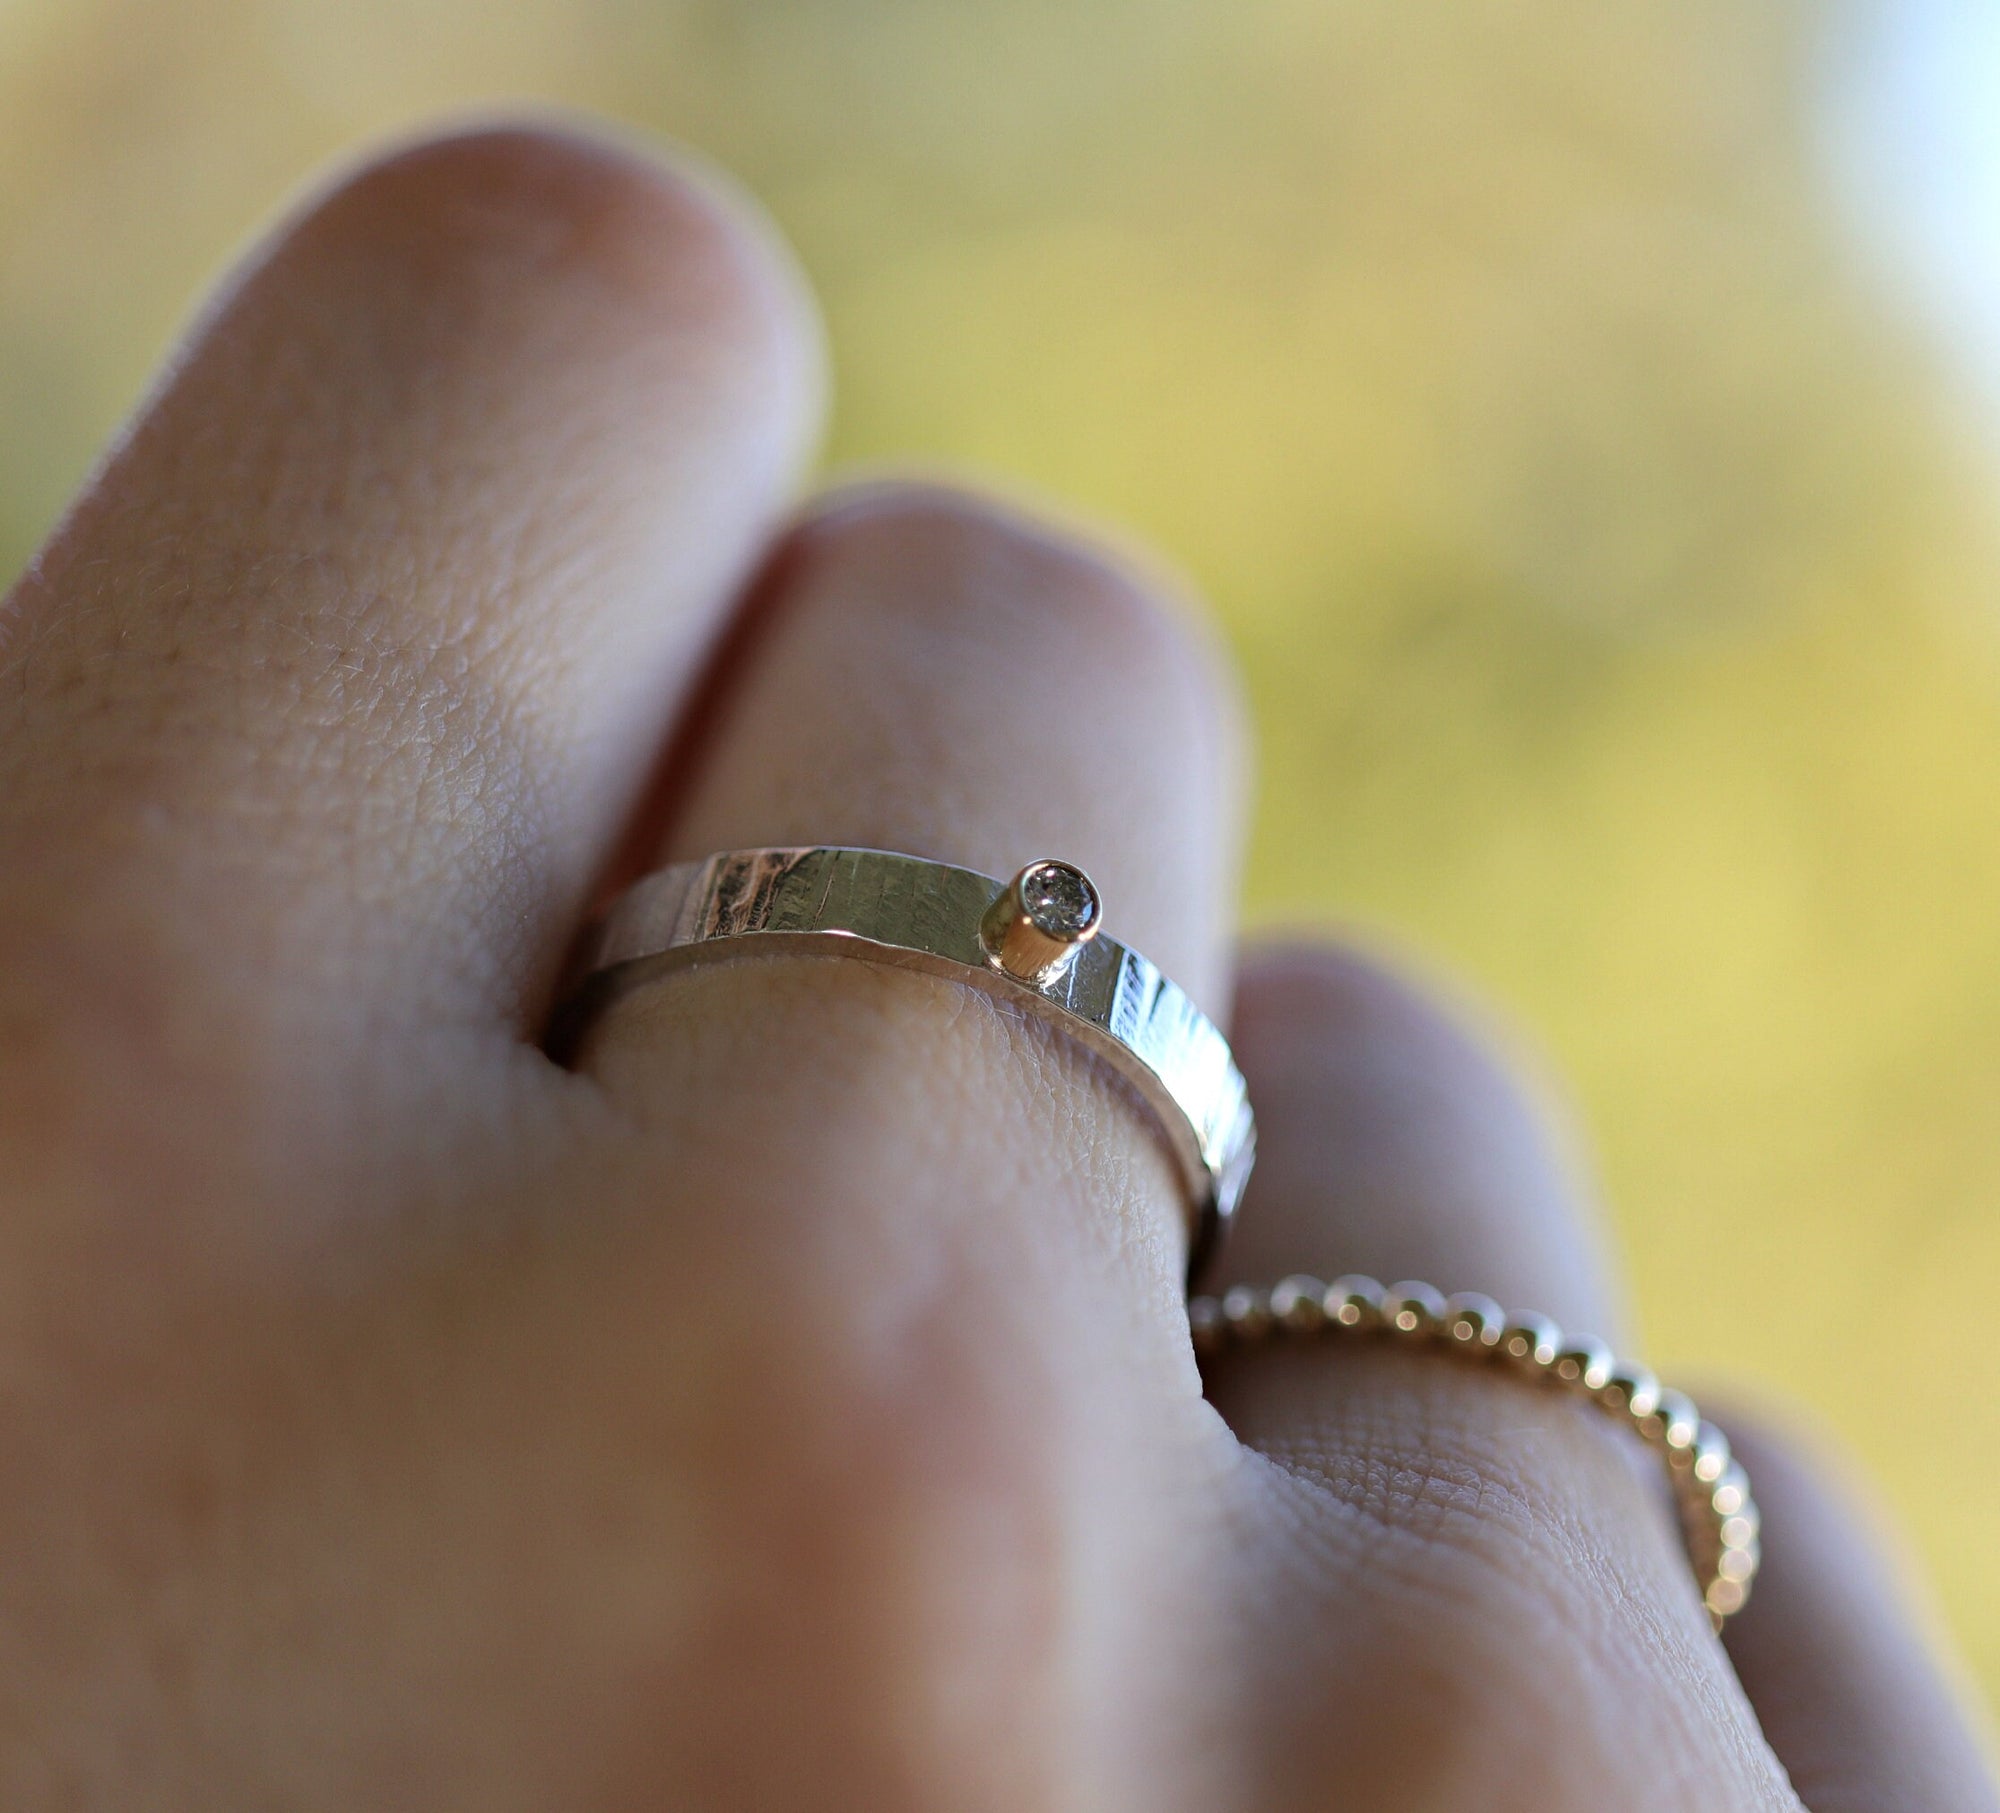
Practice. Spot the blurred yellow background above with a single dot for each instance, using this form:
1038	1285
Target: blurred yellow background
1613	563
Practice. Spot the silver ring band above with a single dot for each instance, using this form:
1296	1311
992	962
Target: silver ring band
1032	941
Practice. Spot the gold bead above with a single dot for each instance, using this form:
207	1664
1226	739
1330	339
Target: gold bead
1739	1565
1731	1492
1413	1308
1354	1300
1631	1389
1473	1322
1531	1342
1740	1528
1724	1597
1674	1423
1586	1361
1709	1454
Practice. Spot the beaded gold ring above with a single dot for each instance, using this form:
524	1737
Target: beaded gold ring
1718	1516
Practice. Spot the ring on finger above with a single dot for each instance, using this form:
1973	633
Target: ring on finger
1719	1518
1033	941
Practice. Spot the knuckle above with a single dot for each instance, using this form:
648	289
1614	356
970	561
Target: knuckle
1300	993
1455	1157
977	566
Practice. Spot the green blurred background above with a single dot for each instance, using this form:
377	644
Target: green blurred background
1607	534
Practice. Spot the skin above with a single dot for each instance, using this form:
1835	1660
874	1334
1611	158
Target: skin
792	1404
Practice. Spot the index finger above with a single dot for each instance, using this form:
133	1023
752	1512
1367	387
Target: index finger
322	708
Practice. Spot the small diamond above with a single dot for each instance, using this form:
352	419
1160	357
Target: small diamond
1059	900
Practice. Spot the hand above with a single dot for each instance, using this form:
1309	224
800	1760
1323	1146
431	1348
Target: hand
792	1405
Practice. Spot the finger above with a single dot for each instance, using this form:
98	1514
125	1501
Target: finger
1403	1147
1485	1579
940	1247
318	712
937	675
1840	1658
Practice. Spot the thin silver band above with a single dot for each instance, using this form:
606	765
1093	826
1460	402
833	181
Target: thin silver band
906	911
